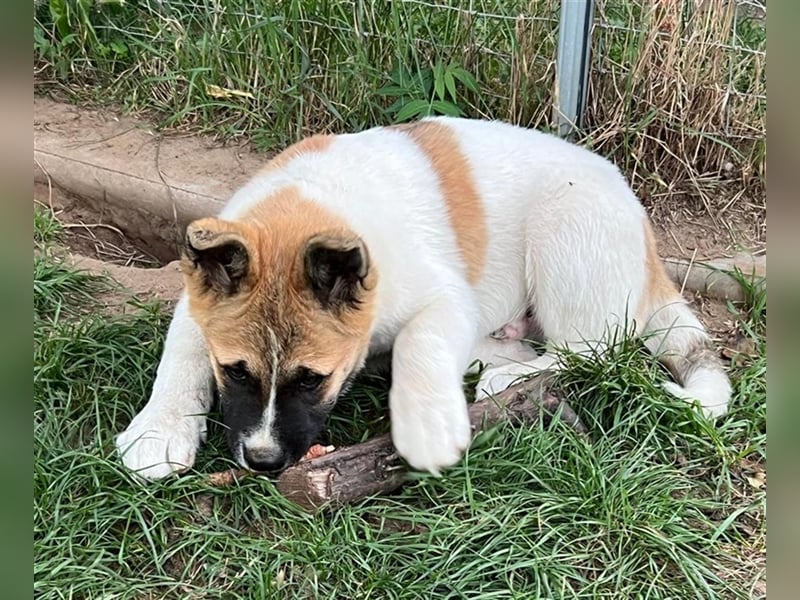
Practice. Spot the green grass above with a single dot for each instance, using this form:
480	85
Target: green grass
656	504
660	105
46	227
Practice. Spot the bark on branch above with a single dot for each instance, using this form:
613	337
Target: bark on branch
373	467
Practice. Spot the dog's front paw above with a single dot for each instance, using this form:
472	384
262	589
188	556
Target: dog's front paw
159	443
430	431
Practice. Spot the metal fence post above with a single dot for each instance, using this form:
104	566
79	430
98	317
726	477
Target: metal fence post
572	64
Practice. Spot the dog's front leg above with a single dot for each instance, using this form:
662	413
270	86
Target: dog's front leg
430	423
165	436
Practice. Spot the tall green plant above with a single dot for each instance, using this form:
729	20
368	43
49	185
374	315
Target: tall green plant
435	90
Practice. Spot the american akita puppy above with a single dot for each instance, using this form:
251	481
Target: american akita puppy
423	239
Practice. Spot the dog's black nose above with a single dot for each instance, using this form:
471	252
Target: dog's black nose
266	461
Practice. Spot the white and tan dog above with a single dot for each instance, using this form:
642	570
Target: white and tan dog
422	240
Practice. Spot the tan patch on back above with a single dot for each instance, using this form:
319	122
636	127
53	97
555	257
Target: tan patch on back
309	145
464	204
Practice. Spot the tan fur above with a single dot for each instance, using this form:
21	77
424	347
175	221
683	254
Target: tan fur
660	291
660	287
459	190
315	143
278	298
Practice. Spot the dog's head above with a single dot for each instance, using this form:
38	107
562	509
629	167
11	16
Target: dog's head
285	304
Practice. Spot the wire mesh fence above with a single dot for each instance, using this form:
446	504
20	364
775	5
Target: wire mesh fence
677	88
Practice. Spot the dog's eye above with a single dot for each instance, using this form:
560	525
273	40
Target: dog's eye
237	372
309	380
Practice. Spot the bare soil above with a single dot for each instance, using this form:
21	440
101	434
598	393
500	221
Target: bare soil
92	242
219	166
152	183
701	236
93	233
164	283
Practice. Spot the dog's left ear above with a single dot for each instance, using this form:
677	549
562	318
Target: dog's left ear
336	268
216	253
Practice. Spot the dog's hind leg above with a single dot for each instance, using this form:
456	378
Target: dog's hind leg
585	273
165	436
492	351
674	334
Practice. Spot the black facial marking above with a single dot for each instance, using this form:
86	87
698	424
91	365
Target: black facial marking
300	419
300	408
237	372
240	397
306	380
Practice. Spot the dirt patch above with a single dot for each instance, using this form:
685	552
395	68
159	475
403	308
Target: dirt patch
95	231
145	268
214	166
164	283
722	326
126	165
687	235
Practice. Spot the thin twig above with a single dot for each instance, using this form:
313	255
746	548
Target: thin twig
688	270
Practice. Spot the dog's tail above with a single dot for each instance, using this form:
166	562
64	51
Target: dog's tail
674	334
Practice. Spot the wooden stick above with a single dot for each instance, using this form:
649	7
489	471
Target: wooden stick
373	467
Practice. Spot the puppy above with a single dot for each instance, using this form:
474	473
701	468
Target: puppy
422	240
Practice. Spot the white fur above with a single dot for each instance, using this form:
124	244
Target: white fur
673	331
430	424
164	437
263	438
565	236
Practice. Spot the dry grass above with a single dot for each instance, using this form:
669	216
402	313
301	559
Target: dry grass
683	109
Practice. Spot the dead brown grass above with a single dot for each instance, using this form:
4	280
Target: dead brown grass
680	103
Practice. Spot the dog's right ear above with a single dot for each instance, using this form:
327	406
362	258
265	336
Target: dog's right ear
216	256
